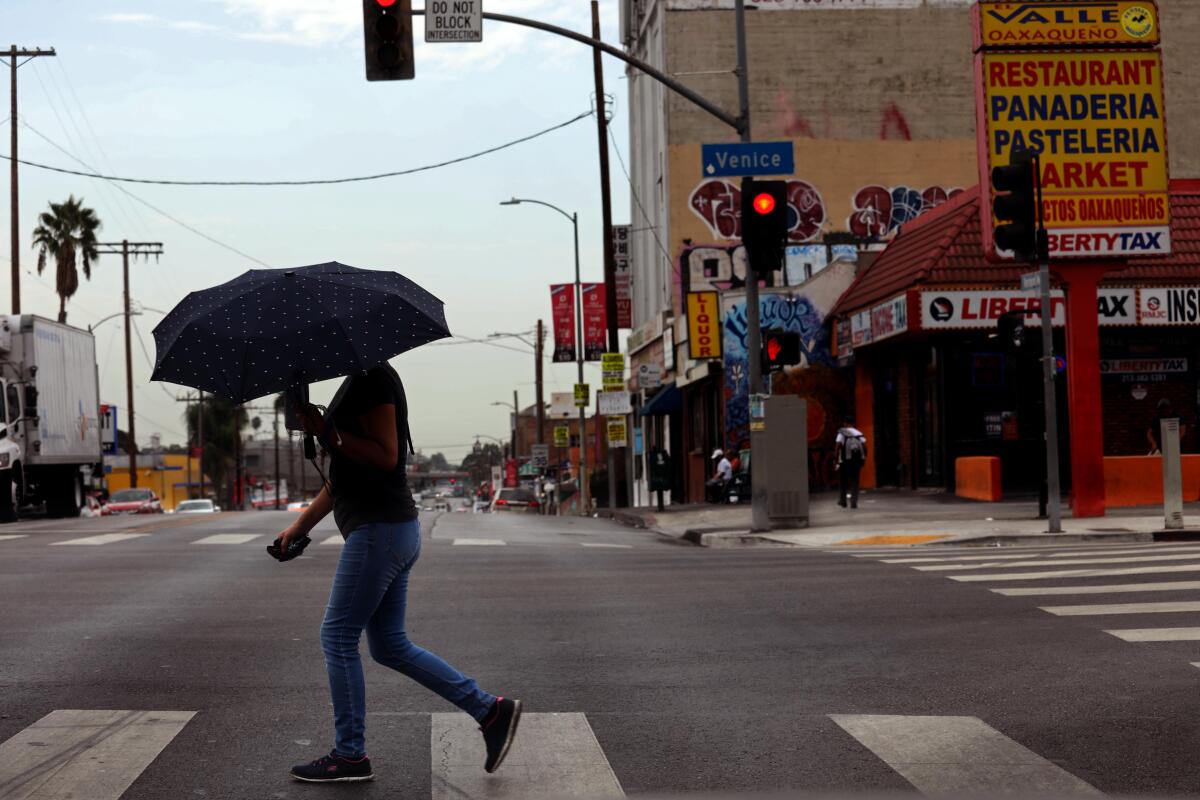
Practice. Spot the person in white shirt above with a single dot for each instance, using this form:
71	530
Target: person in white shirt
715	487
851	455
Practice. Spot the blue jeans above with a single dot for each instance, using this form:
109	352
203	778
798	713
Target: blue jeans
370	591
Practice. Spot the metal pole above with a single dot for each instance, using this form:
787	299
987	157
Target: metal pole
129	368
537	377
13	198
200	441
1053	491
276	426
760	520
516	422
189	452
584	503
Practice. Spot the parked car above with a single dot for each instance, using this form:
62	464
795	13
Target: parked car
197	507
133	501
515	500
298	505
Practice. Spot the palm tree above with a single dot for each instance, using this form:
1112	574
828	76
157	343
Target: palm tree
66	231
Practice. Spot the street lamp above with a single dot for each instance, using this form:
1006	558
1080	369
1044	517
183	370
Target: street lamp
92	328
574	218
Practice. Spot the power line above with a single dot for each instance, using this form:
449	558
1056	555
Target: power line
649	225
147	204
315	182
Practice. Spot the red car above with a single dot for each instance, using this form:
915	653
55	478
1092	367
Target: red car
133	501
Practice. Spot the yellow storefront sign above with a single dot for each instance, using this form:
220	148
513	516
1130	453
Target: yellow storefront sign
704	325
1097	119
1117	22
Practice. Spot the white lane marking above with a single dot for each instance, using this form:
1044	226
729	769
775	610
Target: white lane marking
1121	608
553	756
1075	573
1160	548
1196	663
480	542
1158	634
336	539
1112	588
104	538
8	536
952	558
960	756
228	538
1065	562
92	754
613	546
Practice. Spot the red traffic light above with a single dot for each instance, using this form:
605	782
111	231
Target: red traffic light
764	203
386	3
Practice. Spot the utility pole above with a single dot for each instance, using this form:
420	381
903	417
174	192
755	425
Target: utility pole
276	426
538	349
200	442
1050	400
126	249
516	423
610	265
14	53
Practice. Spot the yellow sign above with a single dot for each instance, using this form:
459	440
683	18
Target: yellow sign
1097	120
583	395
1115	22
562	436
704	325
612	361
616	432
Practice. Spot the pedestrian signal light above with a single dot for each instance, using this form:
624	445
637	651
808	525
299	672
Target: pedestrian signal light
387	37
780	349
1015	207
764	223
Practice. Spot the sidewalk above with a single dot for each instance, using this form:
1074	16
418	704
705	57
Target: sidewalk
905	518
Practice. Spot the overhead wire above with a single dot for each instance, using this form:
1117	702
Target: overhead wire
308	182
638	202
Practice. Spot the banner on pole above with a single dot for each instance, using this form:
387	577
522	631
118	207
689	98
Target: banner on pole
595	322
562	304
620	246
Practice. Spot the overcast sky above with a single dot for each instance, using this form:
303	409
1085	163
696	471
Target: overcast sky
275	89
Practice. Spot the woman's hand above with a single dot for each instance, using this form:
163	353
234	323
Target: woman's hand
312	421
290	534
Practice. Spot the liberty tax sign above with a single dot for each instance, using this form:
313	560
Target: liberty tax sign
1095	116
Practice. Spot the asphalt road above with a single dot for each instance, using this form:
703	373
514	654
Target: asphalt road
689	669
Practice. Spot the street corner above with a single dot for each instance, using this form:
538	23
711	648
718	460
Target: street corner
902	540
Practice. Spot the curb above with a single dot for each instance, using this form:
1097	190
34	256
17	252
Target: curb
732	537
1014	539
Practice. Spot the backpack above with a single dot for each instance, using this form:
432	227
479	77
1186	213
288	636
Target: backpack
854	449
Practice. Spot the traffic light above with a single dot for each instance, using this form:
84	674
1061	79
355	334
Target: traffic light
1015	206
1010	327
764	223
387	32
780	349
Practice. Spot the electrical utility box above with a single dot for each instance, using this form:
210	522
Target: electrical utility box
786	461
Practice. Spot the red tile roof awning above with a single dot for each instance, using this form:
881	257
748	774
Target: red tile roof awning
944	247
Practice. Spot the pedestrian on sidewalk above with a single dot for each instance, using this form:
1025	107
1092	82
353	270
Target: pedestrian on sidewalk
715	487
365	432
1165	410
851	455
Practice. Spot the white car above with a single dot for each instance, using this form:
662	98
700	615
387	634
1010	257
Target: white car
298	505
197	507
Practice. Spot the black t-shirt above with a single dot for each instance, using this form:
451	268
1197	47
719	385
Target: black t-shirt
363	494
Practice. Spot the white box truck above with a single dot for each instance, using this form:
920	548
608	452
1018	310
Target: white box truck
49	416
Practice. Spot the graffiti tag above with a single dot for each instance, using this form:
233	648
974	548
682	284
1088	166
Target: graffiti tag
719	203
878	210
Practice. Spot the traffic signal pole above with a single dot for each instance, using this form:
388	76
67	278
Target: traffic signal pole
1053	491
759	519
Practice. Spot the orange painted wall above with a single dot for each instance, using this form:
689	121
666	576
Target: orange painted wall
1137	480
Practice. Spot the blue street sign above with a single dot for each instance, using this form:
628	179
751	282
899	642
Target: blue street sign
751	159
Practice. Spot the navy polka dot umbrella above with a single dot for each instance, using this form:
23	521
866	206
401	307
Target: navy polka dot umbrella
269	329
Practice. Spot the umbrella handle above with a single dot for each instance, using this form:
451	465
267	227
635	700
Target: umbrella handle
310	447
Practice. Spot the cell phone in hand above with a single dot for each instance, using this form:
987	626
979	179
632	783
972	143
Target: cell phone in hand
295	399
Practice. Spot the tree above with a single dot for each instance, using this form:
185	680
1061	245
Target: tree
479	462
67	232
223	424
438	463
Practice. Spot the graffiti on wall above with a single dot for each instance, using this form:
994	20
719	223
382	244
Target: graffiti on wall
719	203
778	312
879	210
724	268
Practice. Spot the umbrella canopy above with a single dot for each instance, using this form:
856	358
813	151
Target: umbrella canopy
270	329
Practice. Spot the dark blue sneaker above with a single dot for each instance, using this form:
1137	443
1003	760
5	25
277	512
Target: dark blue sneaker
333	768
499	728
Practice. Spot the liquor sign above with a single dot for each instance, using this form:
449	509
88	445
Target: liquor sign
562	305
622	276
1096	117
704	325
595	322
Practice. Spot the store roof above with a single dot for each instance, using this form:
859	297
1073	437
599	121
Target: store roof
944	247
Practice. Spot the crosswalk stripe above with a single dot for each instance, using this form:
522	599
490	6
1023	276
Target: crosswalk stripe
959	756
1158	634
336	539
480	542
104	538
613	546
8	536
553	756
1122	608
1115	588
1063	562
228	538
1075	573
1158	548
92	754
952	559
